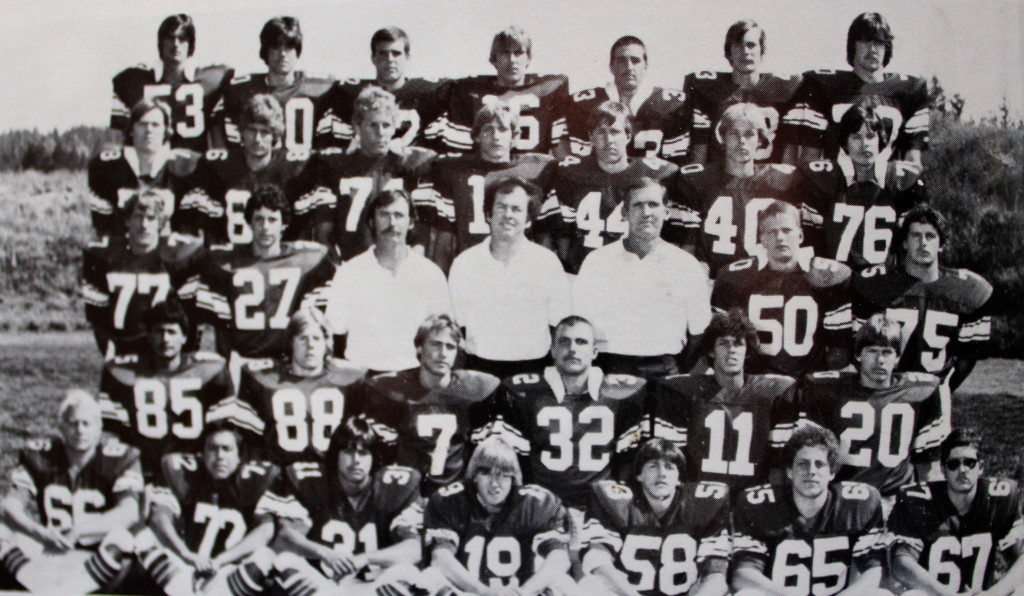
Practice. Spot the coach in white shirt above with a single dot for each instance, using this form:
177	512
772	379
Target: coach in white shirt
509	292
379	298
648	298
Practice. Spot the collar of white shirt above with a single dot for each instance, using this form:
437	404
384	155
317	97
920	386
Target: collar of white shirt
595	378
642	93
163	155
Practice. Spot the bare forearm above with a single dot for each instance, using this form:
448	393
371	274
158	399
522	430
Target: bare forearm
254	540
749	577
162	523
615	580
18	518
406	551
1011	581
713	584
556	564
454	571
295	540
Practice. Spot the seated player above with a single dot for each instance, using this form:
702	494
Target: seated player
296	403
590	191
861	195
248	292
212	198
657	534
709	94
540	101
812	535
71	504
731	424
947	533
212	519
943	311
657	114
298	92
159	403
456	185
890	424
420	102
490	534
146	162
799	303
190	92
826	94
122	277
720	203
427	414
348	518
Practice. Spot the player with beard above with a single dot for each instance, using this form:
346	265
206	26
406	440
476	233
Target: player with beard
656	534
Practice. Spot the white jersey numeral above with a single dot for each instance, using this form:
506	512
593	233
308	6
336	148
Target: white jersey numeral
588	219
445	426
897	416
358	190
799	312
218	520
298	124
876	239
561	439
151	400
670	569
126	285
301	423
807	569
190	97
249	307
716	463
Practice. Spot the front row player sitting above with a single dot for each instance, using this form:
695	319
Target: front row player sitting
683	527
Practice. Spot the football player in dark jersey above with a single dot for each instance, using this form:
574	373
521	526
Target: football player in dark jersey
812	535
212	519
491	535
946	322
708	93
657	113
947	533
890	424
656	534
71	504
798	302
731	424
298	92
810	126
249	292
539	100
428	414
159	403
860	196
456	185
122	277
420	102
348	517
191	92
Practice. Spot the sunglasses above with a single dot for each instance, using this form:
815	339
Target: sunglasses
968	462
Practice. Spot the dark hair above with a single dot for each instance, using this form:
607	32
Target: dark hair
170	26
354	432
610	112
869	26
506	186
270	197
225	426
626	40
143	107
921	214
959	437
878	331
731	323
280	31
657	448
439	322
388	35
809	434
571	321
859	116
383	199
738	30
168	312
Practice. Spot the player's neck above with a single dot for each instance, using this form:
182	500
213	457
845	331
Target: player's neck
266	252
355	492
870	383
138	248
729	380
641	246
576	384
659	506
393	85
870	76
925	273
258	162
168	364
746	80
390	255
430	380
174	72
280	80
504	248
613	167
626	95
786	266
299	370
510	83
740	169
809	508
77	460
962	501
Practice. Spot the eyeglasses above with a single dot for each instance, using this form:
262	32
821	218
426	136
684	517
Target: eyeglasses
968	462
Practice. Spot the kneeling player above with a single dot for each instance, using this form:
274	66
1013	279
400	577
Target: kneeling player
85	488
491	535
812	536
682	525
346	515
947	532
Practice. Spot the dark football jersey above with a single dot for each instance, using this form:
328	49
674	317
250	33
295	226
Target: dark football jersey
456	186
114	177
214	515
299	101
586	206
941	320
708	95
212	198
798	314
542	102
297	415
191	101
730	436
430	428
667	554
769	533
856	221
572	441
959	551
42	472
825	95
882	430
250	299
389	514
119	286
160	412
420	106
500	549
659	128
353	179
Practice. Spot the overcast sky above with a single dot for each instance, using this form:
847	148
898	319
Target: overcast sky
58	56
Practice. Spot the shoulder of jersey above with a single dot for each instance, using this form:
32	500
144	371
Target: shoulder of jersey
694	175
297	156
257	474
596	95
903	175
244	79
117	452
759	496
771	385
817	170
700	78
667	97
343	373
416	156
214	73
526	382
830	378
973	290
394	486
536	495
685	385
315	85
706	490
304	476
474	385
183	161
139	74
105	158
1002	489
177	248
826	273
857	494
779	176
38	449
918	491
549	81
737	270
904	79
542	159
615	498
305	246
621	386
